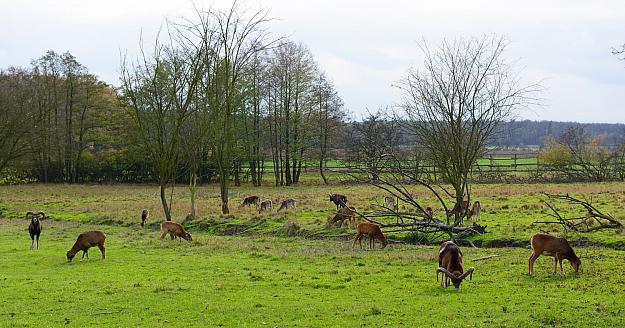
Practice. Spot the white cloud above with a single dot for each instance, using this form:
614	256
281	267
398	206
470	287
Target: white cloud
363	45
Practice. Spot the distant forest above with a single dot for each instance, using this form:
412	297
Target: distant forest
534	133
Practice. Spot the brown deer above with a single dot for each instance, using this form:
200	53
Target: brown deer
372	231
174	230
85	241
557	247
475	211
345	213
144	217
450	265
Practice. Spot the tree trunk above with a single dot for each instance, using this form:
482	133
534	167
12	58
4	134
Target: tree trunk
192	190
166	207
223	186
321	170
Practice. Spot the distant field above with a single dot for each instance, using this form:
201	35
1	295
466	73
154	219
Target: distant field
272	281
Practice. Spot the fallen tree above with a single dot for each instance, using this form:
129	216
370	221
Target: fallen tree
592	220
418	219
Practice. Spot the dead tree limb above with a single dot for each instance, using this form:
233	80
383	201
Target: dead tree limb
593	220
417	220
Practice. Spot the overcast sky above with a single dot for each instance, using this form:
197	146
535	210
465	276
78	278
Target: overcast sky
363	46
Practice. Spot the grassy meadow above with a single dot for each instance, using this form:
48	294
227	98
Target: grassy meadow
243	269
274	281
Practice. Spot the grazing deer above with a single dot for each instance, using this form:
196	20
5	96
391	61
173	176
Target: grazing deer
287	203
265	205
338	200
557	247
372	231
450	265
175	230
85	241
345	213
251	200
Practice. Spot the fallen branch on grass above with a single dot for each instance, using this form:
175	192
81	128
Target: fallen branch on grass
485	257
592	221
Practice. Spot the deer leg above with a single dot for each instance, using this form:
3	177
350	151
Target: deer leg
561	269
357	238
533	258
32	242
37	241
103	251
555	266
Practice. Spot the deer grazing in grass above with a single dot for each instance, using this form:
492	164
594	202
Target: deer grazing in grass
372	231
450	265
265	205
345	213
389	202
175	230
85	241
250	200
287	203
557	247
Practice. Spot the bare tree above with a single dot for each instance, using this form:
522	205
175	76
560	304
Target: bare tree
375	136
292	70
231	41
158	90
456	101
329	114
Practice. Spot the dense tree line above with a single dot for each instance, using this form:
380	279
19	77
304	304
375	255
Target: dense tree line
220	90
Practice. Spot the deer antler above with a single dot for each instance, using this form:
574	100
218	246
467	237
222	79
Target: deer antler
464	275
447	273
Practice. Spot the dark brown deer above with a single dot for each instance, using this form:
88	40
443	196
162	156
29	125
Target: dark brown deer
34	228
450	265
338	200
144	217
251	200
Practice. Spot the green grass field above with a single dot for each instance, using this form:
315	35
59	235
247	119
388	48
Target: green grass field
260	277
269	281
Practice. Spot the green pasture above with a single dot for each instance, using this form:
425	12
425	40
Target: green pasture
510	211
284	282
